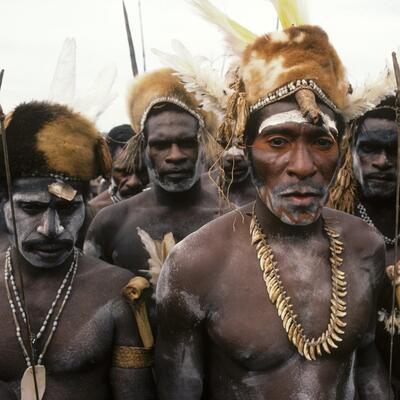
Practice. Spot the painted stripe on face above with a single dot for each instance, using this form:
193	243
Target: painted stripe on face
296	116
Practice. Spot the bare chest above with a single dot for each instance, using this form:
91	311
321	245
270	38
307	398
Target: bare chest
245	325
127	249
82	340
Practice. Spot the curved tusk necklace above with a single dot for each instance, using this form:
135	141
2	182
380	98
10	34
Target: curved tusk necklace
307	347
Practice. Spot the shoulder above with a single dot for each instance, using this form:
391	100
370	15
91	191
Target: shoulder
106	276
115	214
364	245
204	252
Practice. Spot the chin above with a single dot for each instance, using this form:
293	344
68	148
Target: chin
298	216
46	261
176	187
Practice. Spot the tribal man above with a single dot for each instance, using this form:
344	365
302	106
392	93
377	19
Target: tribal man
64	319
281	303
366	187
123	184
171	128
236	183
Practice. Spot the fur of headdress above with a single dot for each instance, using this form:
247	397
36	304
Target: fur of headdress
150	89
47	139
297	61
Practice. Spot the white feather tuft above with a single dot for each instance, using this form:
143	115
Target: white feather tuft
62	88
367	96
237	36
198	76
158	251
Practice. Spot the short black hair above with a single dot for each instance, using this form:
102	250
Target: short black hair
117	137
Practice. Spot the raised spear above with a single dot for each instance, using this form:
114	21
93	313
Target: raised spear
130	42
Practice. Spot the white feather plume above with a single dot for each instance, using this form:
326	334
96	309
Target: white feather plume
367	96
237	36
198	76
91	102
62	87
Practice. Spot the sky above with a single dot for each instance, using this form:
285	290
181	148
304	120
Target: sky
364	32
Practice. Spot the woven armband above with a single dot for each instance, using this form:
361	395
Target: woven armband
132	357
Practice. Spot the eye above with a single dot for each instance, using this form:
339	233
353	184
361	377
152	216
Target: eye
367	148
159	145
278	142
188	143
67	208
324	143
32	208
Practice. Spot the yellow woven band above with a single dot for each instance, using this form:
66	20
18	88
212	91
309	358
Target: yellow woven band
132	357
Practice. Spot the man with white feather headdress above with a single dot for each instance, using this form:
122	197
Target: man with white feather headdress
366	186
280	304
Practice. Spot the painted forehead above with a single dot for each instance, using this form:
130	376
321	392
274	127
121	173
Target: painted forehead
377	125
41	189
40	196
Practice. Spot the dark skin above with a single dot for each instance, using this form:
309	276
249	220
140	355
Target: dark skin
95	319
129	184
220	336
374	165
238	184
172	150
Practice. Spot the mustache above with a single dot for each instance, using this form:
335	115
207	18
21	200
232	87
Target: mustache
35	244
303	188
386	176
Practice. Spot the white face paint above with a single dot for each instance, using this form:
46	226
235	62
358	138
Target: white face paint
297	117
47	226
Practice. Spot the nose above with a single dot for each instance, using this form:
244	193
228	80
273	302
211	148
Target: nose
50	225
301	164
175	155
382	161
132	181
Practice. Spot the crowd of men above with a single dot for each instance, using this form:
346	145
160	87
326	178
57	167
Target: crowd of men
240	244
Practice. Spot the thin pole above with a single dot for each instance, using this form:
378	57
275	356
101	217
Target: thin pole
142	35
11	197
130	42
397	106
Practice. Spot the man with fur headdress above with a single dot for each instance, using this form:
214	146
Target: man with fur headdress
171	131
281	303
64	319
366	187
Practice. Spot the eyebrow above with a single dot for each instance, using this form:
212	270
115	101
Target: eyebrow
284	129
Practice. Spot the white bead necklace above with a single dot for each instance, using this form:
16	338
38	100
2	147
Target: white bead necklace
9	278
365	217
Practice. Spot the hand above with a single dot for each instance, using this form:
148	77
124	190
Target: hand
394	277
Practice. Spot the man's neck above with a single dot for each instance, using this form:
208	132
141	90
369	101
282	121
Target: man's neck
272	226
382	213
166	198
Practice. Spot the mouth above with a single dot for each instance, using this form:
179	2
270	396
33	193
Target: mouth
49	250
182	174
301	198
380	178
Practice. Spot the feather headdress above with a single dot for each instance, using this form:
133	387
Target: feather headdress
291	12
198	76
236	36
367	96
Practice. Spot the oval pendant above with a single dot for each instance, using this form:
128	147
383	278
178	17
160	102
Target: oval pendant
28	384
